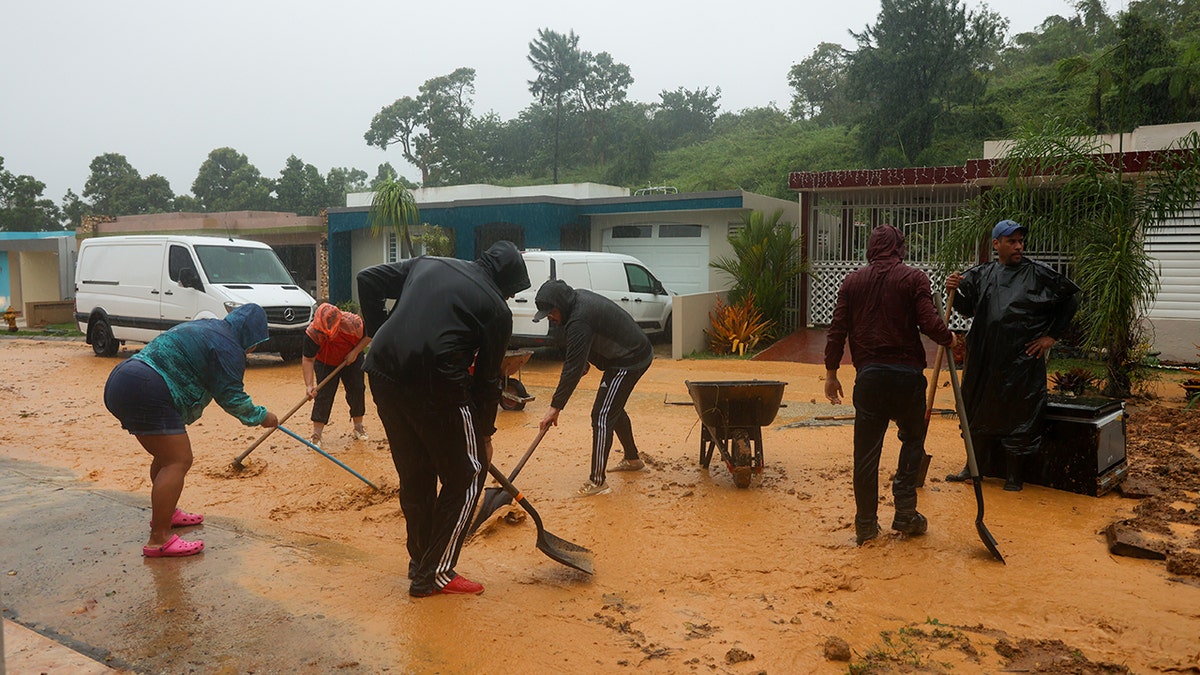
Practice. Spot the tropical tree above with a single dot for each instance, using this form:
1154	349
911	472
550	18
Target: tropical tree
921	60
604	85
560	69
765	265
394	208
1061	184
433	129
22	207
115	188
227	181
819	82
685	116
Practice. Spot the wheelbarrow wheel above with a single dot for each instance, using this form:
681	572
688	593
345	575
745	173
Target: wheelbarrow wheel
743	459
514	395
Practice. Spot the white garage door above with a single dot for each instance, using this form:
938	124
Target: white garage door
676	253
1176	248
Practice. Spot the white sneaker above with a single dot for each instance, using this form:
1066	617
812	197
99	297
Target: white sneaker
629	465
315	440
361	435
590	489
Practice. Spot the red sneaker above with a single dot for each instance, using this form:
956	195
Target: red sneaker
461	585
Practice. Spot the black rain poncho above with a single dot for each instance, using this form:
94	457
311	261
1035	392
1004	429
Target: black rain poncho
1010	306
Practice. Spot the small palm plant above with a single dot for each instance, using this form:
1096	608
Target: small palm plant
395	208
1073	382
736	328
766	265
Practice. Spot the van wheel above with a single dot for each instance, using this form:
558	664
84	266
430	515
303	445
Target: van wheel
665	336
290	355
103	342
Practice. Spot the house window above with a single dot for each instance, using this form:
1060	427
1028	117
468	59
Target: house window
633	232
575	238
393	247
667	231
490	233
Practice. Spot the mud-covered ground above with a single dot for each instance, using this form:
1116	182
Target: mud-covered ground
692	574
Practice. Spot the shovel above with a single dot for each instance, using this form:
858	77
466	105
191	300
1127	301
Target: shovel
937	372
558	549
362	344
495	498
988	540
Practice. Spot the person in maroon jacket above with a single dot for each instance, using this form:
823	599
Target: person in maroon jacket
882	309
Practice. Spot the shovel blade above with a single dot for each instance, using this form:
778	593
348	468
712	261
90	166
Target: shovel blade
494	499
562	551
989	541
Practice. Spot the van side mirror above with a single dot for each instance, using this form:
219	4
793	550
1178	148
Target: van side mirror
658	288
189	279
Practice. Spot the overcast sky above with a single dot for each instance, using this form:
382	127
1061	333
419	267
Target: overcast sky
165	83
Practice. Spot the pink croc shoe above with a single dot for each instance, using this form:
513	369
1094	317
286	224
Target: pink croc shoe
182	518
174	548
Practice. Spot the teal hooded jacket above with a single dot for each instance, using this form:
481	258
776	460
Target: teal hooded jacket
205	360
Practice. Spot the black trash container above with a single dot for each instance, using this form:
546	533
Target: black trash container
1083	448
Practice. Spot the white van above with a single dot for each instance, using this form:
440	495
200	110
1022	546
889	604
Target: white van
132	288
618	277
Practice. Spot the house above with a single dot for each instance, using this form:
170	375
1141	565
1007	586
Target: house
675	234
838	209
37	275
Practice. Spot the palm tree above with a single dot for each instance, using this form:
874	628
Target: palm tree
395	208
560	68
765	265
1063	186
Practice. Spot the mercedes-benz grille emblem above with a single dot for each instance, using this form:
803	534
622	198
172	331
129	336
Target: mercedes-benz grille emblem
289	315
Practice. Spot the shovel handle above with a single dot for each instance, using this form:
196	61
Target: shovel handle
528	453
350	358
937	363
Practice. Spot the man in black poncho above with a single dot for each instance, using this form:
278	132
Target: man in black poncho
438	413
1019	309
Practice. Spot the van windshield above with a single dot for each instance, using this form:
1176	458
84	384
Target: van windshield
242	265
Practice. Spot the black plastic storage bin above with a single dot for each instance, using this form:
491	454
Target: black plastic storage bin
1083	445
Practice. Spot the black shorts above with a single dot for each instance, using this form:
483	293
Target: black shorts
139	397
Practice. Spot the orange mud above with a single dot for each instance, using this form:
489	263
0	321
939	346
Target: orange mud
692	573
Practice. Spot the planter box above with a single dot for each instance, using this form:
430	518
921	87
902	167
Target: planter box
42	312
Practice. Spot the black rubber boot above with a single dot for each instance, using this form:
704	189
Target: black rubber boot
960	477
910	522
1012	482
864	532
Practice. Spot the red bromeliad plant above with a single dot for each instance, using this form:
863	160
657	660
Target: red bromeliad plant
736	328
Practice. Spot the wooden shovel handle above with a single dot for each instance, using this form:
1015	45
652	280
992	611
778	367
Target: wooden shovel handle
937	363
350	358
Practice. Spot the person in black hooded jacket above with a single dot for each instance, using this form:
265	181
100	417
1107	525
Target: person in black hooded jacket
438	412
597	330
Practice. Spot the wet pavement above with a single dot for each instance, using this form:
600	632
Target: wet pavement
73	573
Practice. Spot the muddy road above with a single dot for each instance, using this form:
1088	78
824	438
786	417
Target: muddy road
305	565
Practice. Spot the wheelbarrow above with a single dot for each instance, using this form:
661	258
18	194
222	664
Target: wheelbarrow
515	396
732	414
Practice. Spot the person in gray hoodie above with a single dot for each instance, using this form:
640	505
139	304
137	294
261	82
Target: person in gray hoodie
597	331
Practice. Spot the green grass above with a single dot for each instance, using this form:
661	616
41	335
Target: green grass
49	330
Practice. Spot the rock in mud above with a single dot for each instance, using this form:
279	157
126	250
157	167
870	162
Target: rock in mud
837	649
1126	541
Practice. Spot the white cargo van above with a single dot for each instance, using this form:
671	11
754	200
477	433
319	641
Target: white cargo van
619	277
132	288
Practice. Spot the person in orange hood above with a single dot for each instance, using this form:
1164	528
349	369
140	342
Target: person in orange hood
331	336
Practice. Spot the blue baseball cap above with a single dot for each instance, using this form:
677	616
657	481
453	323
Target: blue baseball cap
1006	228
